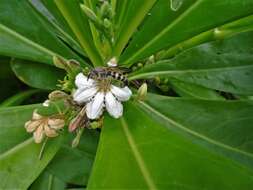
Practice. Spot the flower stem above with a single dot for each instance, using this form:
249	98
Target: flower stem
43	148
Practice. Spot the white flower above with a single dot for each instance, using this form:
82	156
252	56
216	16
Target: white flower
98	95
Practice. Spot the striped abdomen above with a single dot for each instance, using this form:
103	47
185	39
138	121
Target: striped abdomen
118	76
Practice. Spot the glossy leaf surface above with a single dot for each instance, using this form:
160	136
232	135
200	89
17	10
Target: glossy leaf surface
152	151
25	35
173	27
18	152
37	75
222	65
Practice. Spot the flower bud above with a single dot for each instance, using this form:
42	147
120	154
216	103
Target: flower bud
107	23
46	103
60	62
96	125
57	95
76	140
105	9
68	65
112	62
142	92
91	15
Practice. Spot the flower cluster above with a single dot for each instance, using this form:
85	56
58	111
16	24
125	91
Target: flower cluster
42	126
99	95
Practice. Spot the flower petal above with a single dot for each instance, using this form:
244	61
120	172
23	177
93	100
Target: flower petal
50	132
82	81
38	135
122	94
56	123
36	116
32	125
84	95
95	107
113	106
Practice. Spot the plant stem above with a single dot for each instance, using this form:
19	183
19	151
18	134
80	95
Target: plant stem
43	148
225	31
128	28
74	17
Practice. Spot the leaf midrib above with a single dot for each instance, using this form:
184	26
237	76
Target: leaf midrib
184	14
187	71
27	41
140	162
196	134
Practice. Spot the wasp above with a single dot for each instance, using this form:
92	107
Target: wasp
117	73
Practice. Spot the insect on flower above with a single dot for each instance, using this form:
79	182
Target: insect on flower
98	93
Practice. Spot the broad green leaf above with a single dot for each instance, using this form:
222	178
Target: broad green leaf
73	165
19	154
221	126
24	34
24	158
50	12
156	150
194	91
244	24
37	75
47	181
134	13
6	74
190	20
225	65
80	26
18	98
12	131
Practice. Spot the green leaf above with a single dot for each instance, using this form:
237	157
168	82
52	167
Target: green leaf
225	65
134	13
6	74
24	157
17	153
18	98
50	12
24	34
37	75
12	122
73	165
176	144
166	28
80	26
194	91
47	181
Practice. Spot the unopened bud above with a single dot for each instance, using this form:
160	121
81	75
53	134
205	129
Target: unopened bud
91	15
60	62
73	63
142	92
96	125
112	62
46	103
76	140
105	9
57	95
80	121
107	23
140	65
